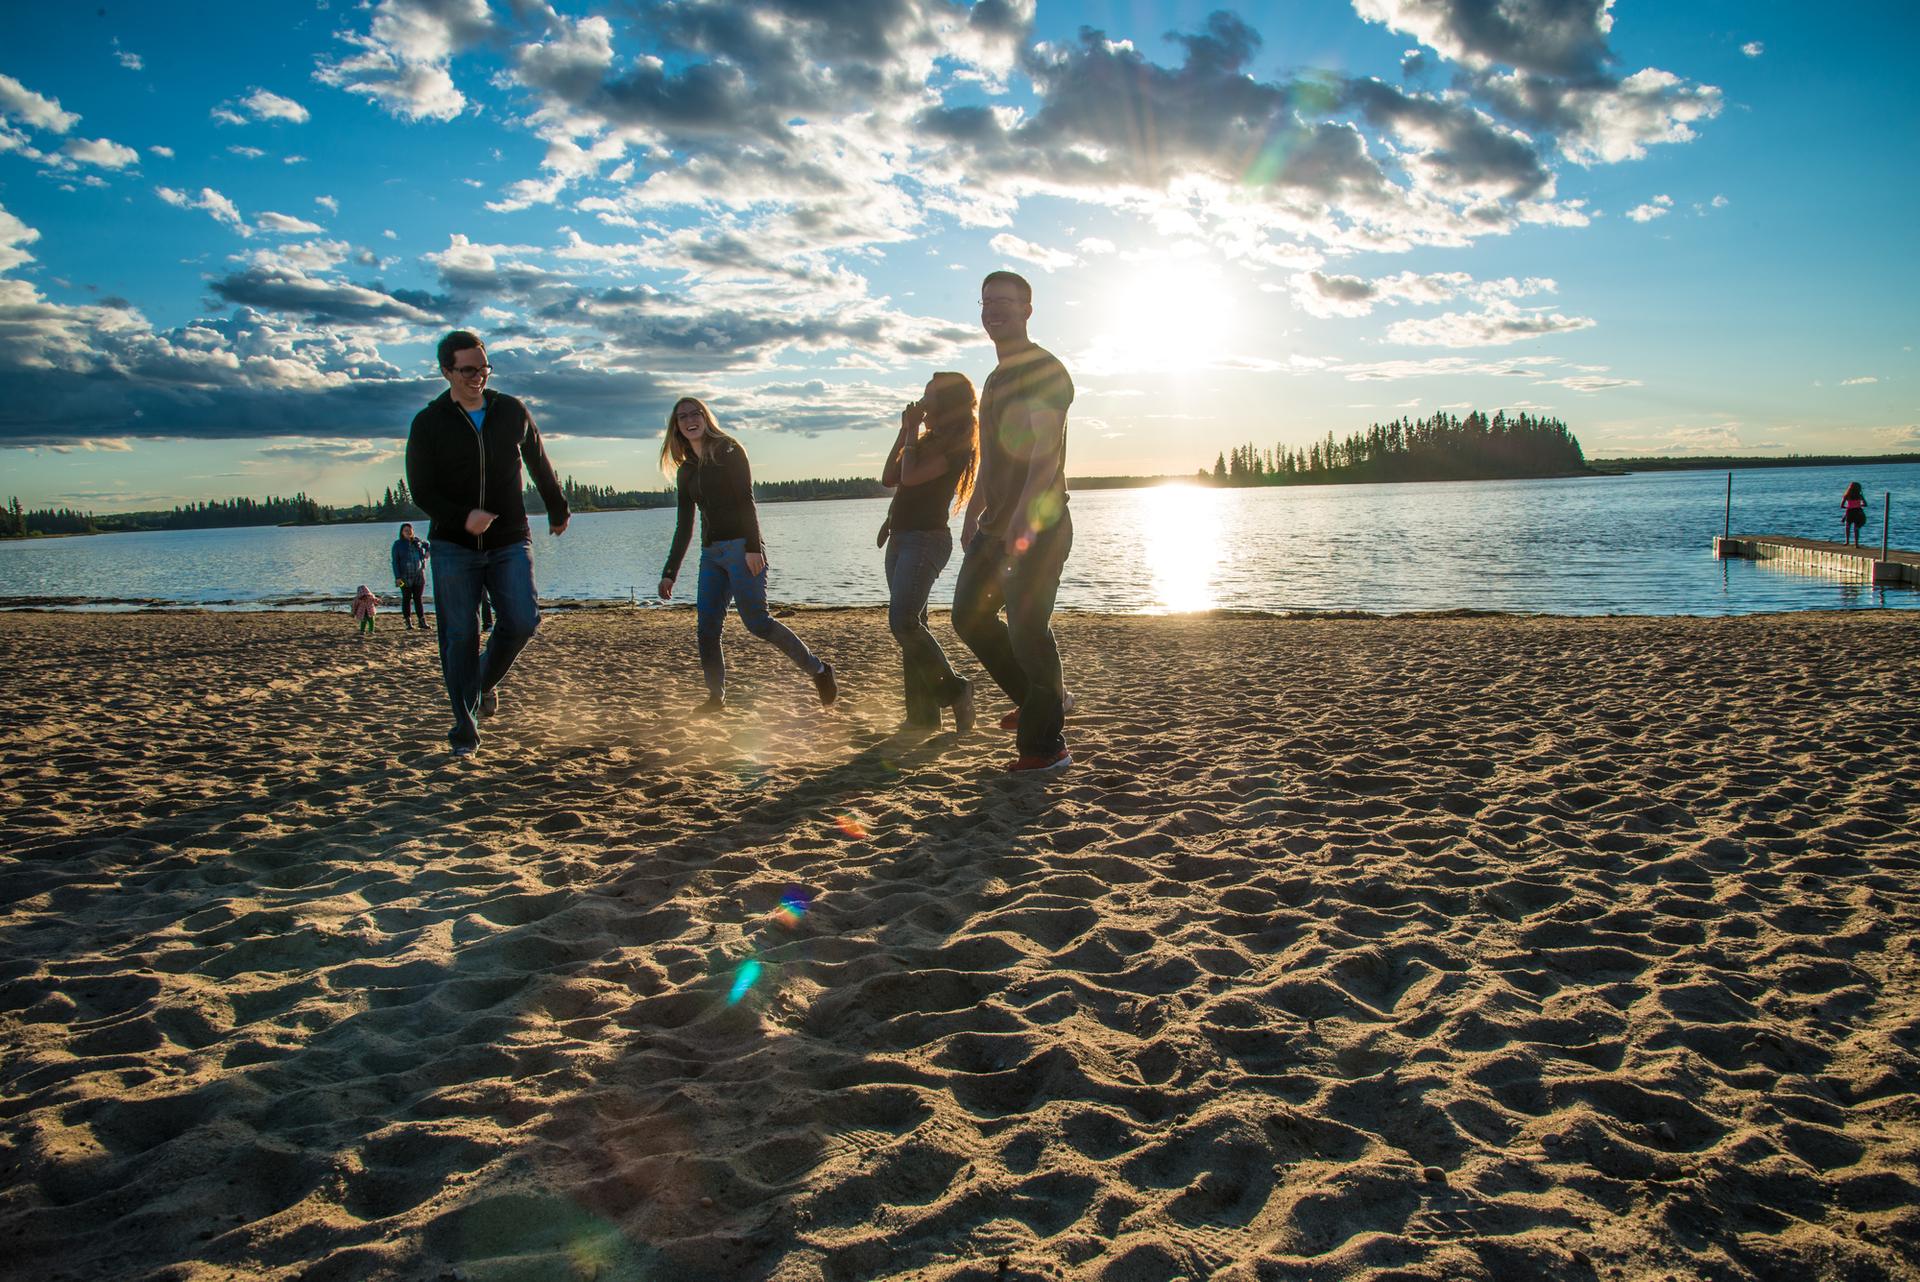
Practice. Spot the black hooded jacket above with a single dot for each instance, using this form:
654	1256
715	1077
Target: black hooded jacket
453	469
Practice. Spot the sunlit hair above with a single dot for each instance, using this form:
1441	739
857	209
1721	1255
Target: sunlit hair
1018	281
1854	491
453	344
952	417
676	448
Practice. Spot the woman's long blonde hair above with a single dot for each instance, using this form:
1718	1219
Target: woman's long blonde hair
953	415
676	448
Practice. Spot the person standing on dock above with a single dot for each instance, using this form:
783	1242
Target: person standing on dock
1017	533
1853	514
463	466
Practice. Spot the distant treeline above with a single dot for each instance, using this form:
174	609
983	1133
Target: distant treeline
394	505
1440	448
1723	463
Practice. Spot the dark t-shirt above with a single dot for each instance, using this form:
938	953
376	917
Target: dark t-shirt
1030	379
925	506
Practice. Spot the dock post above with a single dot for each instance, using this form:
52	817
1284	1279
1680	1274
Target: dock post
1726	530
1886	525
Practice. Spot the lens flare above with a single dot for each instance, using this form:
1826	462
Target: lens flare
794	902
743	979
850	827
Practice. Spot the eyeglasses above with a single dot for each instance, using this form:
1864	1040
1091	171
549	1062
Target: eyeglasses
998	302
470	371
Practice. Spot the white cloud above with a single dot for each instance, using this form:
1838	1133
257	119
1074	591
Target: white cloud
1862	381
211	201
1498	324
403	60
1048	260
1753	48
21	103
131	61
1658	207
13	235
286	225
272	106
247	153
101	152
165	153
327	203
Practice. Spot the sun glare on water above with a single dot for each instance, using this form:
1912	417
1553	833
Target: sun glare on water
1183	551
1164	317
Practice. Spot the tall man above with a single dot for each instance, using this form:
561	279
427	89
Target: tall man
1017	532
463	466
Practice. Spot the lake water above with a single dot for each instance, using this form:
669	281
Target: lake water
1638	544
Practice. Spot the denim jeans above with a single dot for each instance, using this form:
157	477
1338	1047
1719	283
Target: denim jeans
914	560
410	591
460	575
723	576
1019	654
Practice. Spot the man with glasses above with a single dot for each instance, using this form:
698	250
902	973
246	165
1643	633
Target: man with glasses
1016	532
463	466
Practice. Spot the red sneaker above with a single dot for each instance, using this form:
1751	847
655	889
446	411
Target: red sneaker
1012	720
1051	763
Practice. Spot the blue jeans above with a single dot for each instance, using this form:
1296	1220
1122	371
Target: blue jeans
914	560
460	575
723	576
1018	654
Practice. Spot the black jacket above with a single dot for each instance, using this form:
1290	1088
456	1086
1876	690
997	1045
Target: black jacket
452	470
721	486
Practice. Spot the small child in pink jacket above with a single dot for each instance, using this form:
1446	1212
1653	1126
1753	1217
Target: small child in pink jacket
364	605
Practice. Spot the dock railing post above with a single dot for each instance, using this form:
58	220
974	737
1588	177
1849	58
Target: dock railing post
1886	525
1726	529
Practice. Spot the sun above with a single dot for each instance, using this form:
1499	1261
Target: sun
1165	316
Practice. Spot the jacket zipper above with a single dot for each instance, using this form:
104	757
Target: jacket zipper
480	443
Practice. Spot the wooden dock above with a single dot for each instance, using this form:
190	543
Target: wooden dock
1898	567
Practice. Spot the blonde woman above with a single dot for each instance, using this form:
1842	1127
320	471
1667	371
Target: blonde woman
709	468
930	469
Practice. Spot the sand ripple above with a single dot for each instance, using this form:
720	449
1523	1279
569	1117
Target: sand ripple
1460	948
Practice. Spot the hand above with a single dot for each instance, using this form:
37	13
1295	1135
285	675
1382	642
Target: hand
756	564
478	520
561	528
399	583
912	417
666	589
886	531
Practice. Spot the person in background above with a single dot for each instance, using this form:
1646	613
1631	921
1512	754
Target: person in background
464	455
709	468
410	575
930	469
365	603
1853	514
1017	532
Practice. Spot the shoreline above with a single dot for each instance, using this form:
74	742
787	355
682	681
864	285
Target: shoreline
1477	947
91	608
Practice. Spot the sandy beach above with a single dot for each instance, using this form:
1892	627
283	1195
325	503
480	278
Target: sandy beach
1440	948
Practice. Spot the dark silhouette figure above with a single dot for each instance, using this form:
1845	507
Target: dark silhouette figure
930	468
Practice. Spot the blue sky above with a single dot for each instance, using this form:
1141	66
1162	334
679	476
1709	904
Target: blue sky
230	234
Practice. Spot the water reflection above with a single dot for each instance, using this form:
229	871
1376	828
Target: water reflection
1181	525
1591	545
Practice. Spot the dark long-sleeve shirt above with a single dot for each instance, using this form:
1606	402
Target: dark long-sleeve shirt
721	486
454	467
